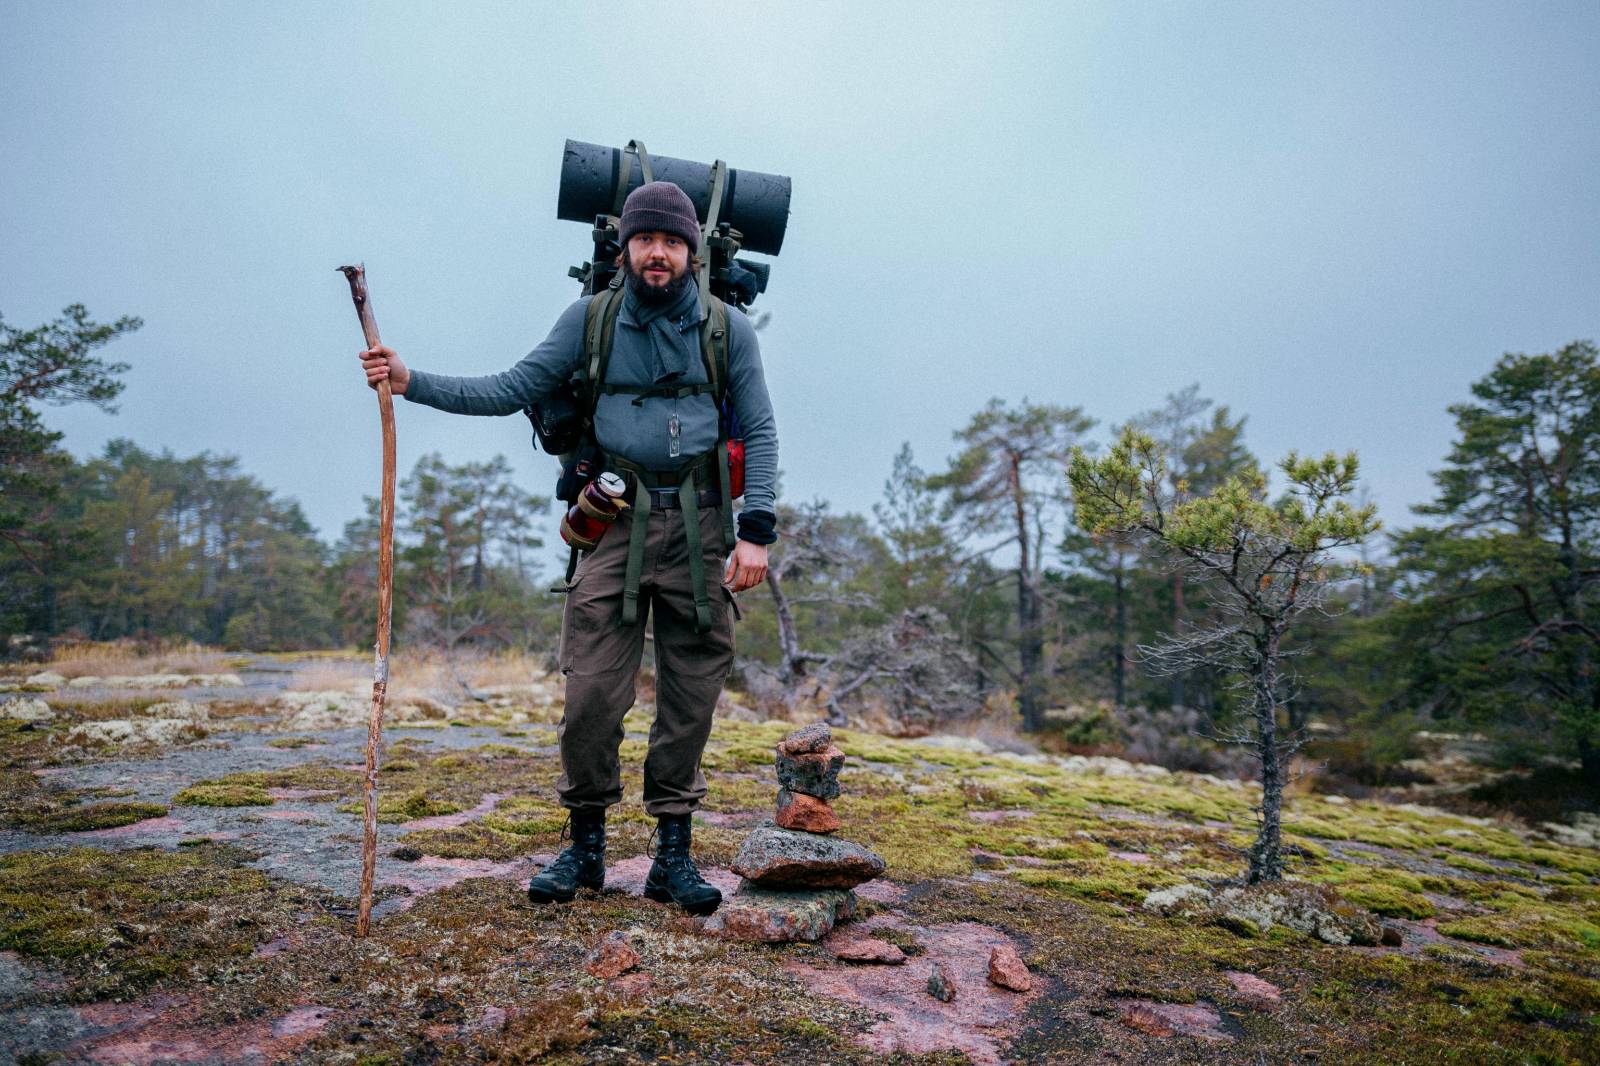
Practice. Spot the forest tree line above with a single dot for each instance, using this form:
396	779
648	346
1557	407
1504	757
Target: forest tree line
964	586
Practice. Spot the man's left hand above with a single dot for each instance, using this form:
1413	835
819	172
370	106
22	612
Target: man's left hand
747	566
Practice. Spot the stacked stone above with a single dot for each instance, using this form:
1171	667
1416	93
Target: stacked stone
808	777
798	877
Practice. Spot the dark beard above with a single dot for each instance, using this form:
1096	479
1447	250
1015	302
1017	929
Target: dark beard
650	295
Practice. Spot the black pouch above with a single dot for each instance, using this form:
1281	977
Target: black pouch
557	421
578	467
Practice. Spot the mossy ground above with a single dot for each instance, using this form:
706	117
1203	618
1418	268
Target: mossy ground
1058	859
120	922
26	804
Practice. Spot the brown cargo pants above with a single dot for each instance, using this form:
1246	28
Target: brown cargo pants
600	658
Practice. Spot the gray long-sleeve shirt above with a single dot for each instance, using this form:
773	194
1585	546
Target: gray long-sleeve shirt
651	345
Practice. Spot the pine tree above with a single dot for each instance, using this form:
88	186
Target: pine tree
1499	611
1261	565
1005	482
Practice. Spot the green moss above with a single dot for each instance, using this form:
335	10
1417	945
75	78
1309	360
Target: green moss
1387	901
471	841
869	747
1076	849
313	776
293	742
403	807
223	794
79	819
1524	928
1109	889
120	921
526	816
1477	866
1389	892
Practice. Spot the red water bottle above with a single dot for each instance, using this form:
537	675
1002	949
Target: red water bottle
599	504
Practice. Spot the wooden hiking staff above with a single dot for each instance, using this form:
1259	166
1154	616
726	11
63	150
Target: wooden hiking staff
357	276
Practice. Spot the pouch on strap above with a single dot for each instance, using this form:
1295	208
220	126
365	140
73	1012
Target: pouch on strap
636	536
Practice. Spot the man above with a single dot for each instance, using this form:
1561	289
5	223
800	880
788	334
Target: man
658	430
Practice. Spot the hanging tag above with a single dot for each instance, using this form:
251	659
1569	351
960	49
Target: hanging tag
674	437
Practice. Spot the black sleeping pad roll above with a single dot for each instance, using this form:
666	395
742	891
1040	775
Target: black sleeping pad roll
755	204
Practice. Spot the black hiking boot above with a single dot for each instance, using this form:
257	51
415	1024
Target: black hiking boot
673	878
582	864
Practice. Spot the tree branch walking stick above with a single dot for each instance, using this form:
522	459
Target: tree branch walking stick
357	276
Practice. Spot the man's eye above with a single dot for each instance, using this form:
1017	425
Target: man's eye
673	242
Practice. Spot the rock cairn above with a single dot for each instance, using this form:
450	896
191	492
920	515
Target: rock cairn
799	879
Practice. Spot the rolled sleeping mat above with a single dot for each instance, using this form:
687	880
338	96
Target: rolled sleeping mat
755	204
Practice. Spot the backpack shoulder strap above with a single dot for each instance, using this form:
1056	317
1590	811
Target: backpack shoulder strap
714	341
599	326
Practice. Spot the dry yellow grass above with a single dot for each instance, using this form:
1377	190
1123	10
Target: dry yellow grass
425	671
126	657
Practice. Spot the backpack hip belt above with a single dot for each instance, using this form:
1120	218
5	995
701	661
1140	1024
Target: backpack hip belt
702	468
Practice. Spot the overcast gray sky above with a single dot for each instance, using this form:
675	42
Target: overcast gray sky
1334	217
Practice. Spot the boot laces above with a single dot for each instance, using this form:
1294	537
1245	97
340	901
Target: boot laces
568	862
685	863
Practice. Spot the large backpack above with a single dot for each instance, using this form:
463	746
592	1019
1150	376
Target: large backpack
722	466
564	421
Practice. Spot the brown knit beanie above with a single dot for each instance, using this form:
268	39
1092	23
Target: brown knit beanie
661	205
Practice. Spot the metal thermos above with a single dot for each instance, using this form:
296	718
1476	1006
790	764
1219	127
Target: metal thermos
599	504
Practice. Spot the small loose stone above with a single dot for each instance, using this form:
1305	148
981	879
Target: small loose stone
940	986
796	810
807	739
813	773
1007	969
612	957
1250	986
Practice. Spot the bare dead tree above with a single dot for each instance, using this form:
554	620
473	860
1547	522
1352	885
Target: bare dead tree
917	662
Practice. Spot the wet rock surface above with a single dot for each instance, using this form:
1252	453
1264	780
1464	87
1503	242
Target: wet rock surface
866	949
979	1021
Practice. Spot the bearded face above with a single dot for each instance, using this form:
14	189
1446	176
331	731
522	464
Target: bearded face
655	267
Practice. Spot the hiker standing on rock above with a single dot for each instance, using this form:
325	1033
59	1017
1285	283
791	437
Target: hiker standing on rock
657	424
